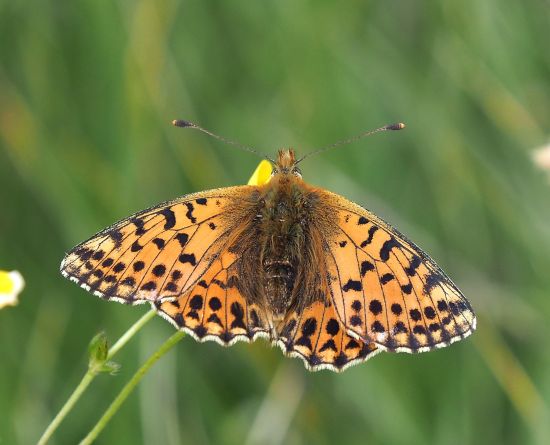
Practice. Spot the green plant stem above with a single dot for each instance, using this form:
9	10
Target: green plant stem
90	376
129	387
130	333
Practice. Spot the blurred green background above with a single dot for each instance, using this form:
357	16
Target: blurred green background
87	92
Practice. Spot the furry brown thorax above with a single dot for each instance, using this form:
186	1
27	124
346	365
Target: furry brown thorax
283	268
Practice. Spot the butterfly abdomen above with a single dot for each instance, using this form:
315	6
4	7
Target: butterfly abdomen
286	245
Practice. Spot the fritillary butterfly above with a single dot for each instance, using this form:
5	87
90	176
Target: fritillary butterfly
323	278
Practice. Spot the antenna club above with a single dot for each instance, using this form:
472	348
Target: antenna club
398	126
181	123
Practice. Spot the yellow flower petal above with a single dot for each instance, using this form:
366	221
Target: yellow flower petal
11	283
262	174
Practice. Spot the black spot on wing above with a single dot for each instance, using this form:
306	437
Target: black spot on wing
238	312
215	303
188	258
159	270
119	267
386	278
159	242
415	314
182	239
332	327
170	218
329	344
196	302
178	318
171	287
139	223
399	328
254	319
366	266
352	344
387	247
308	329
149	286
396	308
81	251
434	327
371	232
431	281
377	327
375	307
429	312
128	281
200	331
176	275
116	236
108	262
189	213
352	285
218	283
406	288
213	318
340	360
415	262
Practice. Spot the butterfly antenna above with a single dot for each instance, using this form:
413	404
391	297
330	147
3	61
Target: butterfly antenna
187	124
390	127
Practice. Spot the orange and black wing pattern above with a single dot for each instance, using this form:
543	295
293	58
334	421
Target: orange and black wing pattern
319	338
159	253
215	309
386	290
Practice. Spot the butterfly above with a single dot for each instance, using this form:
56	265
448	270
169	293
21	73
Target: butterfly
323	278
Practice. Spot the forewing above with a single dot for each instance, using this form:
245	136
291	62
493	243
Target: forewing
320	339
160	252
387	290
215	309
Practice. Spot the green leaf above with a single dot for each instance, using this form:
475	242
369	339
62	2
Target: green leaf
98	353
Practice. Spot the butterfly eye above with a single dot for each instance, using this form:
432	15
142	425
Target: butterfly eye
297	172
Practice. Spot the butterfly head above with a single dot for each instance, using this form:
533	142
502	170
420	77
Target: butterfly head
286	163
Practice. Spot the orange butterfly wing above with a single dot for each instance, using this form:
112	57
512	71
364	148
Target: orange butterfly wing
215	309
386	290
158	253
318	337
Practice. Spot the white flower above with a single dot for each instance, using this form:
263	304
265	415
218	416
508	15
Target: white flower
541	157
11	284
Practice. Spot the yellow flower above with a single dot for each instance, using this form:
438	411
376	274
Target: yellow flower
11	284
262	174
